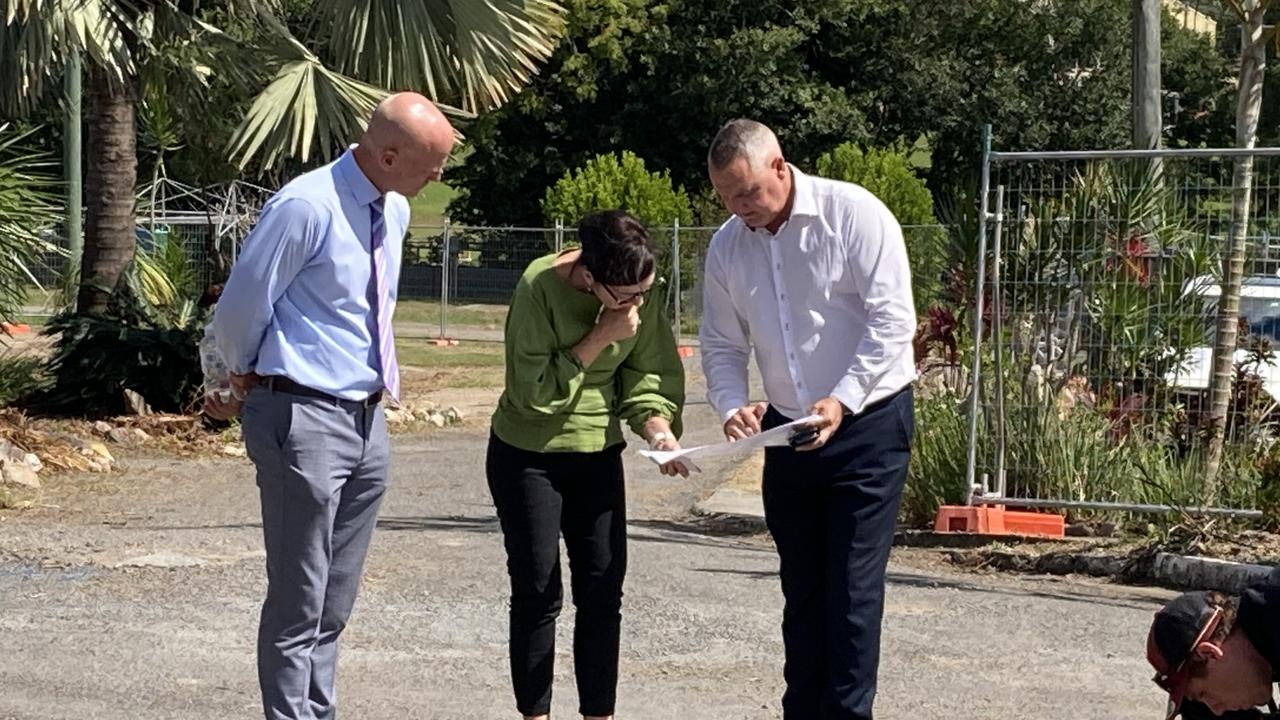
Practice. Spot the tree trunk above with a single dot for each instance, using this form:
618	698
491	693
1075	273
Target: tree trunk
1147	118
1253	63
111	174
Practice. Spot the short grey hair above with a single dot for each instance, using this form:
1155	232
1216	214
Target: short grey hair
741	138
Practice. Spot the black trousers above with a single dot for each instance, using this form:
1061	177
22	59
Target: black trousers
832	514
539	497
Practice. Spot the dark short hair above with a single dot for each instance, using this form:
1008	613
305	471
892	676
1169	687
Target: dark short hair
615	247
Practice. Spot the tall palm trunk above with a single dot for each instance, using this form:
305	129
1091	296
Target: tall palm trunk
1253	64
110	176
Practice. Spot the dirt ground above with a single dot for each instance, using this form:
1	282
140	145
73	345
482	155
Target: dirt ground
134	595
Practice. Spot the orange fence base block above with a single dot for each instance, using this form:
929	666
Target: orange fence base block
994	520
1035	523
685	351
18	329
444	342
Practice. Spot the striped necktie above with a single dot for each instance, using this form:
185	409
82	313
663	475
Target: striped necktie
386	335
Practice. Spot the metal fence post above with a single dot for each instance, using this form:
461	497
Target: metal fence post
675	273
559	235
444	279
997	334
975	379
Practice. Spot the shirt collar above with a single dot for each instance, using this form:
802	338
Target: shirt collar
361	188
803	203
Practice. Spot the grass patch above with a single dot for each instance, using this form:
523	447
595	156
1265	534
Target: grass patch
428	311
431	205
429	357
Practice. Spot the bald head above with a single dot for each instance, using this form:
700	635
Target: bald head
406	144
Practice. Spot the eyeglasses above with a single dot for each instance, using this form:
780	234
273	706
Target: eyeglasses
624	300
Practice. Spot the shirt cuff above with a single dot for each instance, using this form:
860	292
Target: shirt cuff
851	394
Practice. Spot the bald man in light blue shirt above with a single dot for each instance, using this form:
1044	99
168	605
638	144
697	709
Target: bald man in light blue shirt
304	326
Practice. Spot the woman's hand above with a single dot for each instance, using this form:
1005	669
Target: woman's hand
658	432
674	467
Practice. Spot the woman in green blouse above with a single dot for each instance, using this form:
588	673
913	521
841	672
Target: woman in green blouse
585	351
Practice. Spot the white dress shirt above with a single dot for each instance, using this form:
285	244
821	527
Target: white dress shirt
826	303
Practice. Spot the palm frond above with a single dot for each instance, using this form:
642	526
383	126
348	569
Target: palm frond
475	55
305	105
39	34
29	216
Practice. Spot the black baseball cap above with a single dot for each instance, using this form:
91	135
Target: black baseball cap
1181	625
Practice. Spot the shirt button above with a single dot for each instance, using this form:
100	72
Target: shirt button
787	326
793	356
779	266
783	296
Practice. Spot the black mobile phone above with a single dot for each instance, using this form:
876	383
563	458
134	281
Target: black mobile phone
803	437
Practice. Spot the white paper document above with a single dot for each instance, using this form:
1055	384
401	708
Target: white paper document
776	437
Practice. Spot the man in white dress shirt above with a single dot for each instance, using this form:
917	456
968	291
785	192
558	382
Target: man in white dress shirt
812	273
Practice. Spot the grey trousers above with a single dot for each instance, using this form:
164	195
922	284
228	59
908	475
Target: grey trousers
322	471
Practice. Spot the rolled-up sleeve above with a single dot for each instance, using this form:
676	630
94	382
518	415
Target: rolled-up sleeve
651	377
286	238
542	378
877	258
724	340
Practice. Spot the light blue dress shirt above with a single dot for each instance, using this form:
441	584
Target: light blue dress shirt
298	302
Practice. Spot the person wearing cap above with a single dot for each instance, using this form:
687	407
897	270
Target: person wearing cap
1217	656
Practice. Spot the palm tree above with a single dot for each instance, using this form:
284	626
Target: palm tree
28	211
317	84
1255	36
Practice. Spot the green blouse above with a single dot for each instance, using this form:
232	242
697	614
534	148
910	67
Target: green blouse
551	402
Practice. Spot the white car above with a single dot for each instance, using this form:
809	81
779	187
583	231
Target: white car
1260	308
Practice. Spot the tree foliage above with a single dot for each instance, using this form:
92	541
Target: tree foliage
609	182
659	79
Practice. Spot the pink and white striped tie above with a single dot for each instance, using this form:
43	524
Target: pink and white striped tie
386	335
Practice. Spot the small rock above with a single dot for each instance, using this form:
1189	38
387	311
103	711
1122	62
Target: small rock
19	474
121	436
453	416
98	465
1079	530
141	435
102	427
427	407
395	417
94	449
436	419
136	404
234	450
33	461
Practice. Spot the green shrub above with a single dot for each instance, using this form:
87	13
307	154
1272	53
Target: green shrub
610	182
147	342
888	175
21	375
938	458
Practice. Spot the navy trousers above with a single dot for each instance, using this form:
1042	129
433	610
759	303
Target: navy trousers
832	514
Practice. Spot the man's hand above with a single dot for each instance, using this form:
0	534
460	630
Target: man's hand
219	409
832	413
242	384
746	422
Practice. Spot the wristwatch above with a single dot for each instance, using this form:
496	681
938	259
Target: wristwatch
657	438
